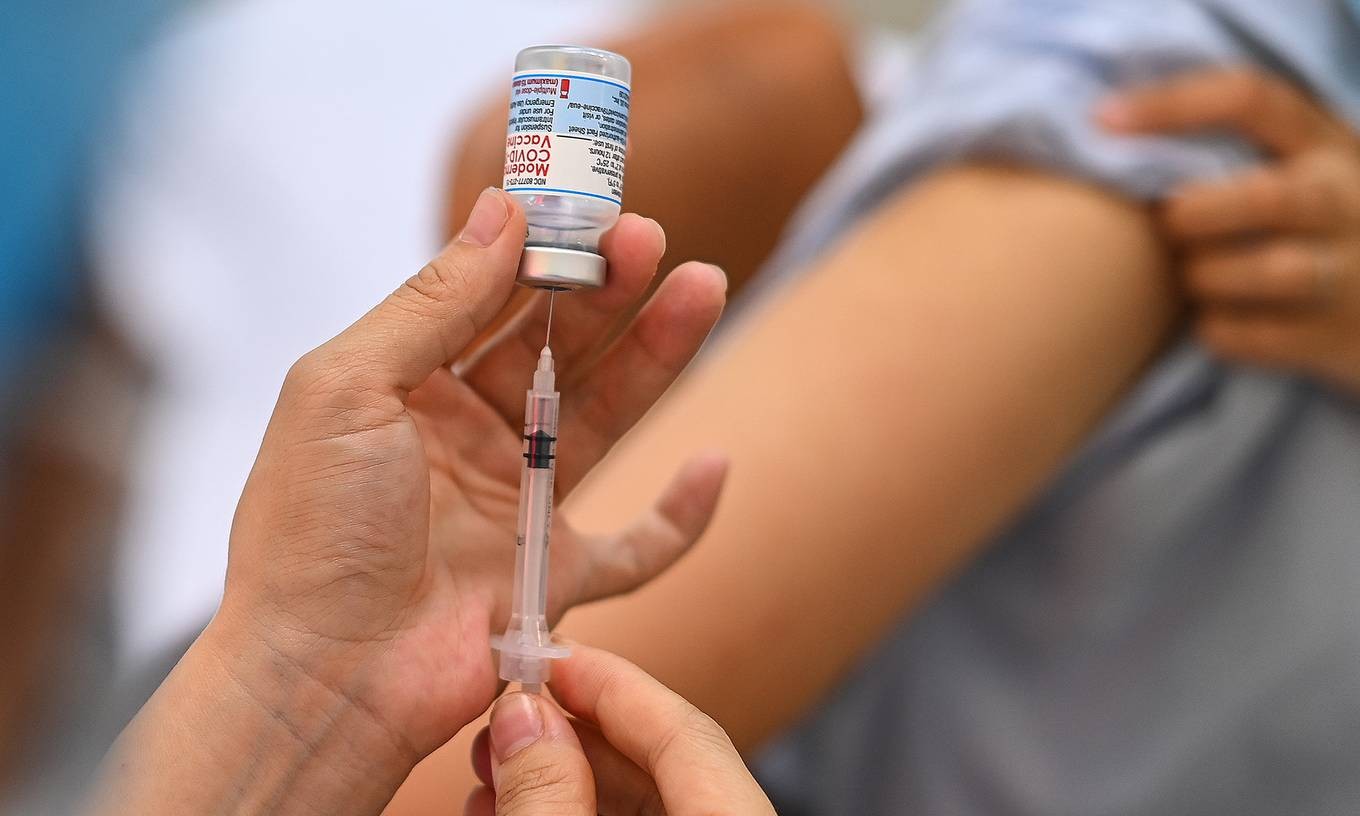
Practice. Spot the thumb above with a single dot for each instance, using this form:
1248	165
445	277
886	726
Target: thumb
537	763
433	316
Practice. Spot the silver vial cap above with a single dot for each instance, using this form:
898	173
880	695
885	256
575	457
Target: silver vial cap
557	268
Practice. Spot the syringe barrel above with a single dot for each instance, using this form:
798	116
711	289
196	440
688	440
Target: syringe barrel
540	428
526	647
535	503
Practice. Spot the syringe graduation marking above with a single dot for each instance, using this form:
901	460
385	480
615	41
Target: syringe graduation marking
539	451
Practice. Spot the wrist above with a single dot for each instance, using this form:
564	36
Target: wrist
312	740
240	727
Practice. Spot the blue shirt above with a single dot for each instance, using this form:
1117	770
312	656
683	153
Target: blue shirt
1174	625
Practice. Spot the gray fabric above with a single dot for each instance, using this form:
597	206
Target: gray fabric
1173	626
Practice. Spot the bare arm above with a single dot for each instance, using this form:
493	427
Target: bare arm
885	417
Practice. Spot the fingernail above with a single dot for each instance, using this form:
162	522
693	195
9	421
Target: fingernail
661	233
488	219
516	723
715	458
719	271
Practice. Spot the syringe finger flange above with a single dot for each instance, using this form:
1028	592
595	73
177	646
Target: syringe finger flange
550	650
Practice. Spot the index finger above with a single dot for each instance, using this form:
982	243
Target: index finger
695	766
1262	108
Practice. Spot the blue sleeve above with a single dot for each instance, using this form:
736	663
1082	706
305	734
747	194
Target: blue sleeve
1018	82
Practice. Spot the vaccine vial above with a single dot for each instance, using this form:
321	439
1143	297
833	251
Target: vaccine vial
564	151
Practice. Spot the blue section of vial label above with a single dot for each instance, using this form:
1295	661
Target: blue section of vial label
567	135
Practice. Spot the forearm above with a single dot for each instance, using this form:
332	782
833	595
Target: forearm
239	728
885	417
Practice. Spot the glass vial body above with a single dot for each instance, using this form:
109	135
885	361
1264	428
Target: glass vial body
564	154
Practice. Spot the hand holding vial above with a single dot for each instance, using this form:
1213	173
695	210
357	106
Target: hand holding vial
1271	255
438	468
372	548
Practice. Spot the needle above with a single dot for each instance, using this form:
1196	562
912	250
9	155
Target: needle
547	334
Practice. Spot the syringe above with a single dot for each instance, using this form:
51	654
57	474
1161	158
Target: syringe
526	646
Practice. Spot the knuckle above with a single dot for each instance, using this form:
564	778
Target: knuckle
440	291
1310	199
541	787
1220	338
1201	278
1244	90
306	368
1265	193
690	729
442	280
1312	187
1331	197
315	372
332	391
705	731
1285	271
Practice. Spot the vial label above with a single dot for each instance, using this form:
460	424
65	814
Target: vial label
567	135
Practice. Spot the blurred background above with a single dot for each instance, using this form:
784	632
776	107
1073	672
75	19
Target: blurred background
192	194
904	15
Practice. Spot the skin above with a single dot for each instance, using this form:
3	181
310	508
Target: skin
936	310
1270	257
631	746
370	555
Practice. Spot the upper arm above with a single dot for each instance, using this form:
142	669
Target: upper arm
884	416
